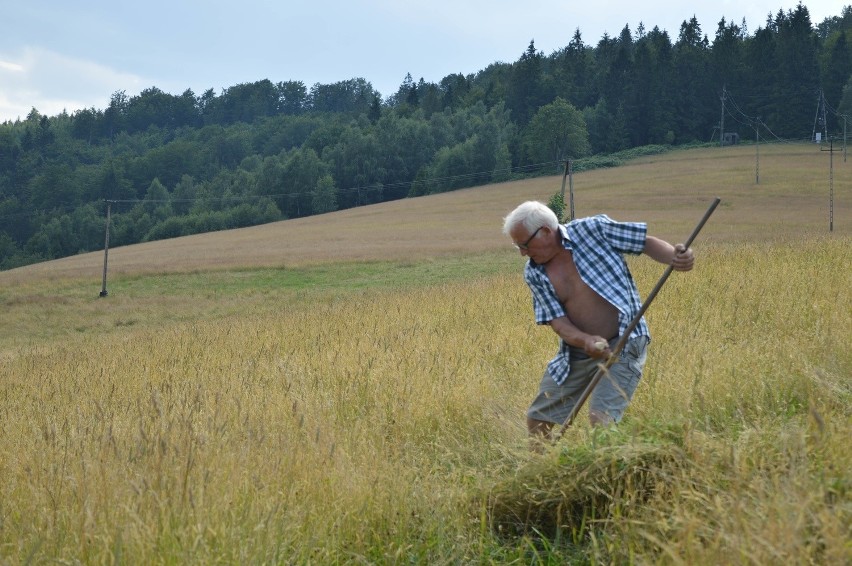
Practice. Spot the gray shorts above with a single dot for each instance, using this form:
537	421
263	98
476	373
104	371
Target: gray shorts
611	395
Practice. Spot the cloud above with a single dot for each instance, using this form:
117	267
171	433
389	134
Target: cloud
52	83
13	67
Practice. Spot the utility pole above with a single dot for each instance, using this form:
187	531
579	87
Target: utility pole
571	187
568	174
722	120
819	120
830	151
103	292
757	151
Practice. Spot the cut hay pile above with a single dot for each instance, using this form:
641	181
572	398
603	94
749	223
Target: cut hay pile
573	487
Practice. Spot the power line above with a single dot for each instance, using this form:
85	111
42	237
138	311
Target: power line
756	121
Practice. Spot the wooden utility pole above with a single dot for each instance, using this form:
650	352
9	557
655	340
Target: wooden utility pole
722	120
757	152
568	174
103	292
571	187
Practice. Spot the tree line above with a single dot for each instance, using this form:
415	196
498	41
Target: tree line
174	165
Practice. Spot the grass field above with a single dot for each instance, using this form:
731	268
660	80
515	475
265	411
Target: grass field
350	388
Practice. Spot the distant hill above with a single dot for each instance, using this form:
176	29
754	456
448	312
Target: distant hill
669	191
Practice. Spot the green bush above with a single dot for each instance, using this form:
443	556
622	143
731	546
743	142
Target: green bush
557	205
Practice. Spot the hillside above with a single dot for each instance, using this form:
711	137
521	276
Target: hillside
791	199
262	152
335	411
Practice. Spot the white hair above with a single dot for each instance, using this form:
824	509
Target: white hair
532	215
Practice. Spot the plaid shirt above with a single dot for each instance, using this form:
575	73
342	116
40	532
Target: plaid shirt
597	244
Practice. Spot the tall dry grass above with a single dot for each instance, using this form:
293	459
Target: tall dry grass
332	431
302	411
385	426
735	449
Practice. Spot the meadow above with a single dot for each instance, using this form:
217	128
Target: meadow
350	389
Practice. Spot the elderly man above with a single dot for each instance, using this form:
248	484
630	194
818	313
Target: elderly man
582	288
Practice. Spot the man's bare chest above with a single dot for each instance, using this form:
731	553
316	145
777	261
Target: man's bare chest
565	278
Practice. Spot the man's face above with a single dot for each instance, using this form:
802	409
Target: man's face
535	244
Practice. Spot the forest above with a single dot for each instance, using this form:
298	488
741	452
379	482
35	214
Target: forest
171	165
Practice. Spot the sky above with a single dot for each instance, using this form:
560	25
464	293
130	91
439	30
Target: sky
57	55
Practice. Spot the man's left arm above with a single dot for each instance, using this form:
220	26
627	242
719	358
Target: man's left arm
678	256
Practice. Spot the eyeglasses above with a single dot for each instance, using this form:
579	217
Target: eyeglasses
526	245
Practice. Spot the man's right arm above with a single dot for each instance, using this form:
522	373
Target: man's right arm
573	336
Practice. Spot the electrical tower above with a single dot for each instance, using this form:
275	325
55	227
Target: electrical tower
830	151
820	124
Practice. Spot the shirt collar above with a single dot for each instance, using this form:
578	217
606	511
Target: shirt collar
566	241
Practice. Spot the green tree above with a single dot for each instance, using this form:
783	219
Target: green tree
798	75
660	78
833	24
65	235
157	201
10	150
375	110
837	68
696	95
245	102
556	132
450	168
350	96
271	180
292	97
115	115
405	145
406	96
573	72
153	107
286	132
430	98
356	160
110	183
54	188
493	133
87	227
9	250
455	87
302	171
86	123
523	93
232	146
761	58
180	157
651	115
845	106
325	196
502	163
16	220
727	54
183	195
